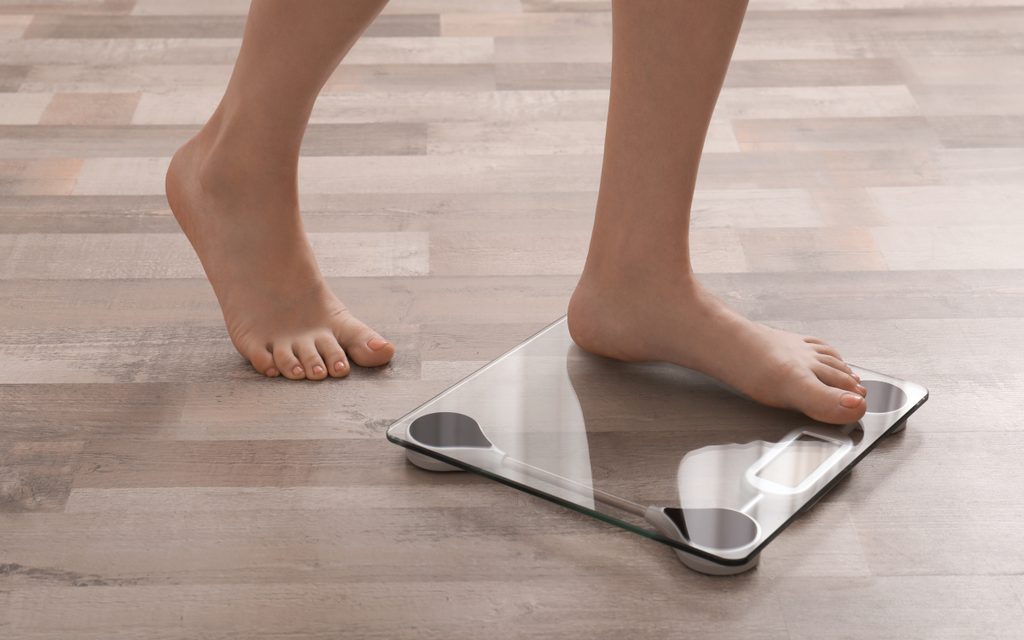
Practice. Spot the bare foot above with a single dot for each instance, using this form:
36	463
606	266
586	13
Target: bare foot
244	223
681	322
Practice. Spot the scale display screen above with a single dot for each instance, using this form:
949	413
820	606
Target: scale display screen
801	457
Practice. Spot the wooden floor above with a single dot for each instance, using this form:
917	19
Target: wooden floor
863	181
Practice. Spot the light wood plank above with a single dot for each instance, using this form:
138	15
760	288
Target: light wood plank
23	108
954	247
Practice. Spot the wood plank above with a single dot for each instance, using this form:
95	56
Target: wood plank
14	25
73	131
935	607
163	303
847	249
980	166
32	176
11	77
401	106
23	108
434	174
523	24
883	167
412	77
198	26
553	75
979	131
830	134
127	354
947	206
152	255
36	475
951	247
496	608
809	73
77	412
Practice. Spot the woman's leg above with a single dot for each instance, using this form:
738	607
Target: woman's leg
234	190
638	298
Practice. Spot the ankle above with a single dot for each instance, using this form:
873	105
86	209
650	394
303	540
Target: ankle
237	167
625	272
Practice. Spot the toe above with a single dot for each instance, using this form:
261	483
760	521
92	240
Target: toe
263	361
826	349
288	363
333	356
312	364
843	407
364	345
835	363
831	403
837	378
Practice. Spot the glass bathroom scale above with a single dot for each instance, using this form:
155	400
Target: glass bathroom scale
654	448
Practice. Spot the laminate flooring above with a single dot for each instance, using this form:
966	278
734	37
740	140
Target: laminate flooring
863	181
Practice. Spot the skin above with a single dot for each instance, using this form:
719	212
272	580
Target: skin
233	189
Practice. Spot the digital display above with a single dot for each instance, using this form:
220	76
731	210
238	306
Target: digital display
801	457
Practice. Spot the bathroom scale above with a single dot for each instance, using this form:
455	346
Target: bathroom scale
654	448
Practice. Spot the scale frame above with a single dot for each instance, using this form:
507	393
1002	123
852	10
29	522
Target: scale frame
502	398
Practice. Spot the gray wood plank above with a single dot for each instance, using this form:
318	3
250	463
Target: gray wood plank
979	131
932	607
11	76
825	134
807	73
78	141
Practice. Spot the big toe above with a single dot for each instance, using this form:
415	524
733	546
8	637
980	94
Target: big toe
364	345
263	361
832	405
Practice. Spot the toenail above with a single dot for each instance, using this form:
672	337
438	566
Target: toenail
271	372
863	391
855	377
339	365
318	369
377	344
297	370
851	400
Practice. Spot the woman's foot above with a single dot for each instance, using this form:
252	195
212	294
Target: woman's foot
243	221
677	320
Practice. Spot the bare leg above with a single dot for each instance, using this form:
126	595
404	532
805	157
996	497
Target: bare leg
638	298
234	190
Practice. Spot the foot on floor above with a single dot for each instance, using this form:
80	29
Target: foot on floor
243	221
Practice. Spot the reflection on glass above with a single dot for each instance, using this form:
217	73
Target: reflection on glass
883	397
799	459
447	429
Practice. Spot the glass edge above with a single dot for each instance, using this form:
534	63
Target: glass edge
657	537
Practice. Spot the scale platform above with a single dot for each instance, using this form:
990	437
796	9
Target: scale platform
654	448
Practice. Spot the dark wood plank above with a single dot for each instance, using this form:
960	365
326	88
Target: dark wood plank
11	76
